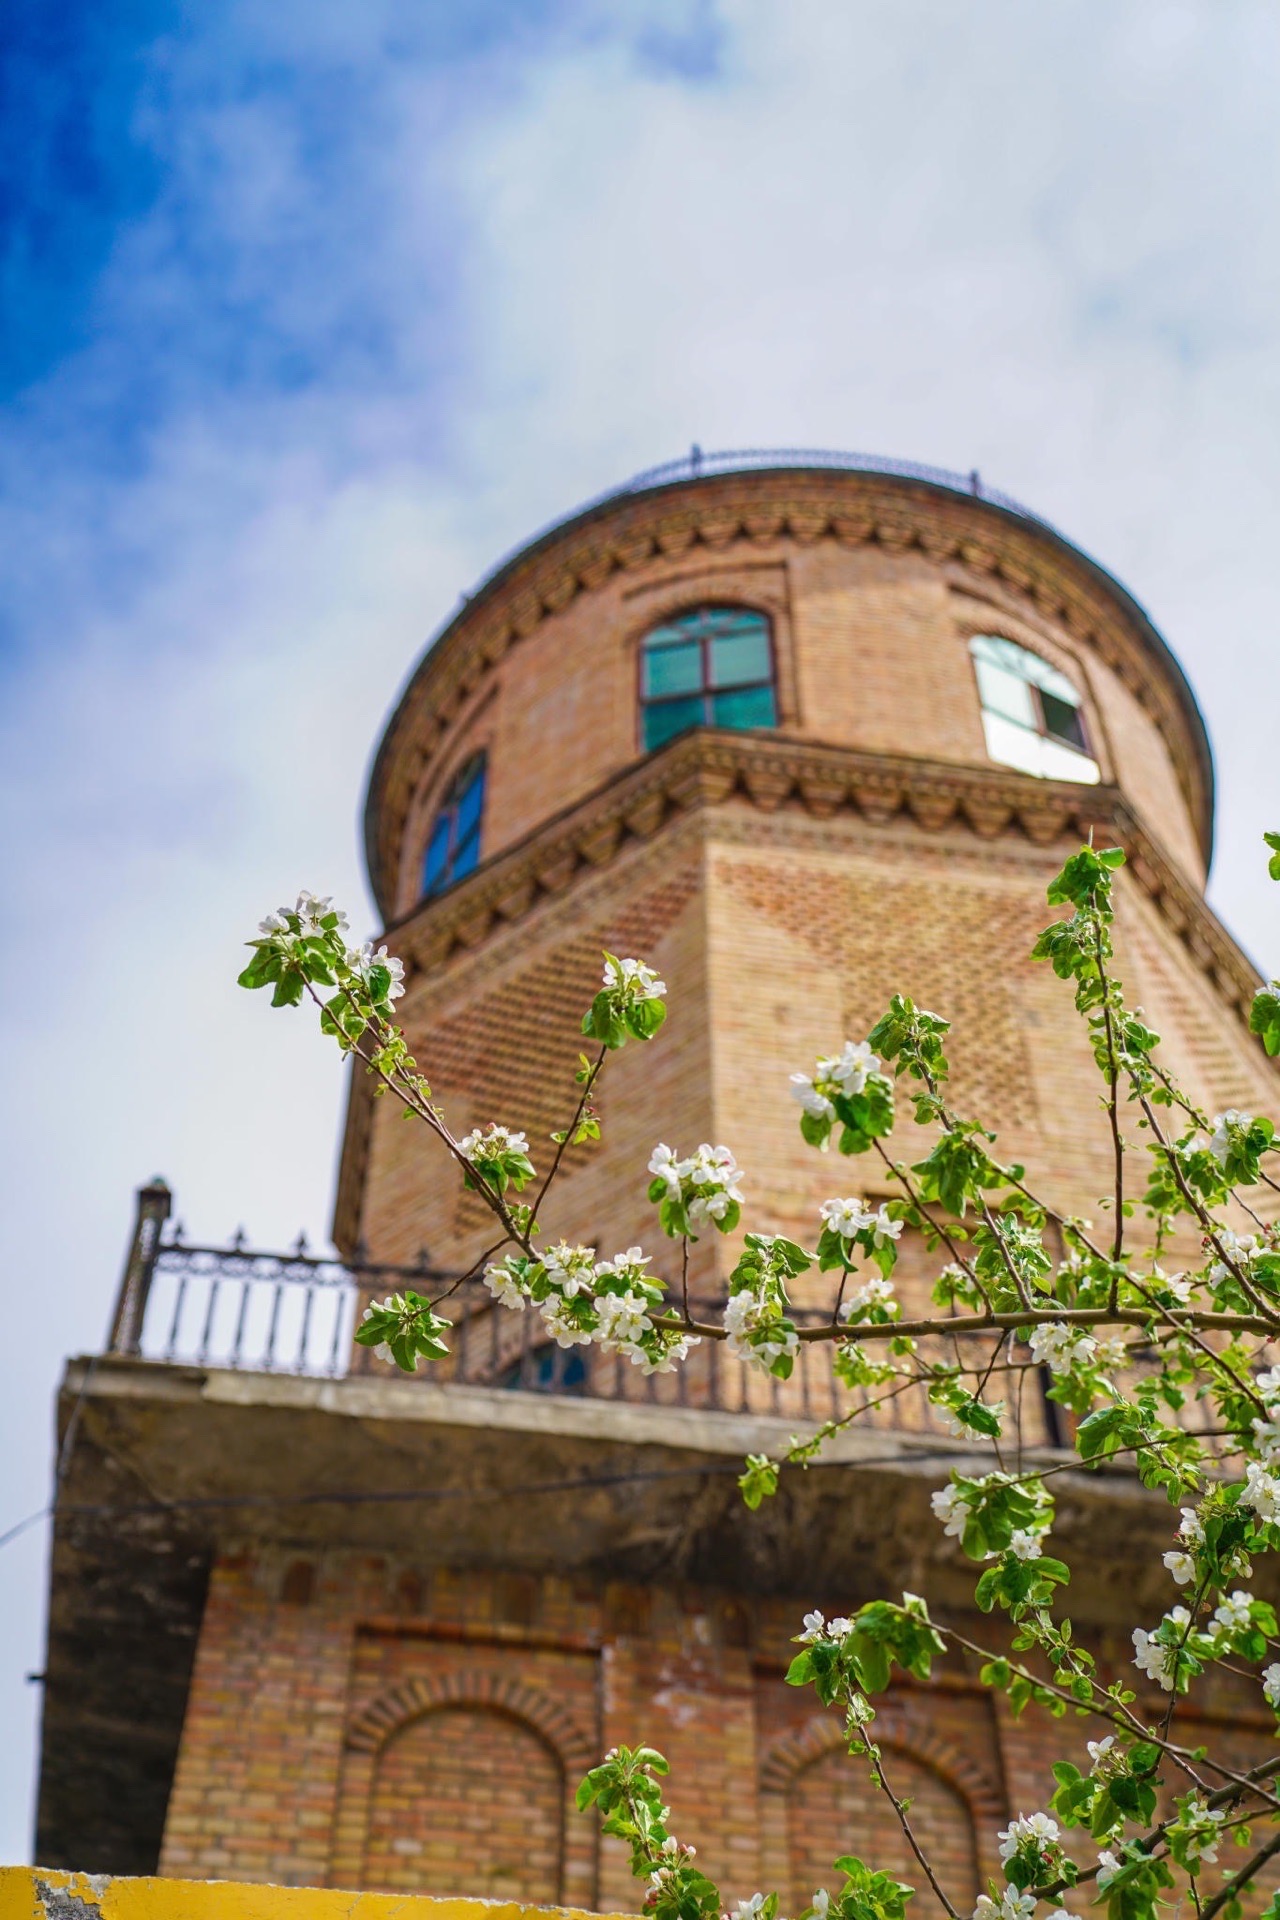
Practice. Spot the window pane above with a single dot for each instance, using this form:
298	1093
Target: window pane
466	854
750	707
1060	763
1062	720
1006	693
470	801
672	717
1013	746
437	854
740	657
998	652
995	651
675	669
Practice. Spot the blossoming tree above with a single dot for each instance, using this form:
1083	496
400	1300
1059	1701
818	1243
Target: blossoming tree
1130	1348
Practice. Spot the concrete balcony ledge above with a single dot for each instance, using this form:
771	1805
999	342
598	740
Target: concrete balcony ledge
36	1893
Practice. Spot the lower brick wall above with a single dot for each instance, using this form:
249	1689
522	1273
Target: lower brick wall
423	1731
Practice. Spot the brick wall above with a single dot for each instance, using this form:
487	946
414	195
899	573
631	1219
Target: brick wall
422	1730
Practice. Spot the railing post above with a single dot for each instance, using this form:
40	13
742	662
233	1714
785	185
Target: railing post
154	1202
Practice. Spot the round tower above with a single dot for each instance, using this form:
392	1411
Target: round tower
800	731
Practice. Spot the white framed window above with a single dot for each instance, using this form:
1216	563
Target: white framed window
1031	713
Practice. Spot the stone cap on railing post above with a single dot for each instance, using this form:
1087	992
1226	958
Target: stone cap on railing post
154	1202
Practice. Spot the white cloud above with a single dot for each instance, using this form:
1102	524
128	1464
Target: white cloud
1039	240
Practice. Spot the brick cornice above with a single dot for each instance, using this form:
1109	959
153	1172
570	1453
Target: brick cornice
707	768
773	775
754	508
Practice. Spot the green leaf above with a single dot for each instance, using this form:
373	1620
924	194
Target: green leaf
644	1017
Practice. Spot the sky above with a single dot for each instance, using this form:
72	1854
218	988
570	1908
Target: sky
309	312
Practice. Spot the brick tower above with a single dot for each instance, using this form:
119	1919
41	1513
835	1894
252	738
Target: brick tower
799	732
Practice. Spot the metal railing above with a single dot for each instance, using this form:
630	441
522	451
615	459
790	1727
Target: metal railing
296	1313
697	465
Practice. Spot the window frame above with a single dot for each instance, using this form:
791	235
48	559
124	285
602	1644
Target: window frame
705	691
1041	731
474	767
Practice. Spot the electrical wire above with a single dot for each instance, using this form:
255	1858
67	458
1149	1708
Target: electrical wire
396	1496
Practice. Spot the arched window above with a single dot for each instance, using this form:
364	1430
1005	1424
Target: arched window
454	846
710	667
1030	712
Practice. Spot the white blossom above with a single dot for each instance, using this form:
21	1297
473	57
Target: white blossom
1108	1868
846	1217
1181	1566
572	1270
749	1909
1232	1615
362	961
815	1627
1271	1685
1037	1829
1012	1905
885	1228
665	1165
852	1066
1061	1347
803	1090
1191	1528
952	1509
1102	1753
1268	1384
634	979
1203	1826
1261	1492
486	1143
875	1292
1153	1659
1220	1144
560	1324
1266	1433
1024	1544
712	1173
505	1288
623	1317
1175	1283
821	1903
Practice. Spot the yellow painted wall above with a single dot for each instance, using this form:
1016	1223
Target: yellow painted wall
34	1893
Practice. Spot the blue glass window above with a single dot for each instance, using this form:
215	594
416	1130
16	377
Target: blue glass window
454	847
711	667
547	1369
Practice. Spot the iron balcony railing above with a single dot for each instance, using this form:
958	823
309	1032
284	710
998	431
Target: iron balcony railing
296	1313
697	465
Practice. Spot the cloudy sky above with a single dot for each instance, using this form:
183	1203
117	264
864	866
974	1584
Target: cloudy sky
309	311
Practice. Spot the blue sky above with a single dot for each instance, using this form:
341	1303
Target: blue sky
310	311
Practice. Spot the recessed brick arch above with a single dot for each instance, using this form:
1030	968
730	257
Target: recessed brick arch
527	1711
384	1715
823	1734
900	1726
